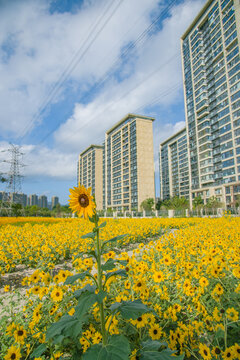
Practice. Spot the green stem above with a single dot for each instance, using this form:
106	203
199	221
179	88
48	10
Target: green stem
100	286
225	333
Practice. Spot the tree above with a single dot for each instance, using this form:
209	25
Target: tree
198	202
176	203
16	209
179	203
213	203
56	210
2	179
236	202
147	205
33	210
159	203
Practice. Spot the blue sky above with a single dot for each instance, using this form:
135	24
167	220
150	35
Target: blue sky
70	69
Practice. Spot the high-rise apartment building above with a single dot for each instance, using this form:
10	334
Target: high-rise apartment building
43	202
174	166
55	201
90	172
128	163
33	200
211	72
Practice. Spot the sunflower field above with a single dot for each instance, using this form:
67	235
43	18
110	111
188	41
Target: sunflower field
168	294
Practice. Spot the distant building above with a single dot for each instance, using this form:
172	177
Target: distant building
33	200
2	193
55	201
18	198
128	163
43	202
174	166
90	172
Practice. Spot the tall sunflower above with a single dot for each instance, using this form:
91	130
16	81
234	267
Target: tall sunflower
81	201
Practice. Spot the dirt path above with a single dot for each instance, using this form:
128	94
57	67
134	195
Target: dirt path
15	278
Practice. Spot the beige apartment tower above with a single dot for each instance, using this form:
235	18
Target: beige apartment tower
90	172
211	74
128	164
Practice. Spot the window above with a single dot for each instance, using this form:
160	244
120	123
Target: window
228	163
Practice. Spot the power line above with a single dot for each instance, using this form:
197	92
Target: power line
130	46
147	77
107	75
160	96
72	65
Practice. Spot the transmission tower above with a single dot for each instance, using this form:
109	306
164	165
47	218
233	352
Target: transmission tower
13	190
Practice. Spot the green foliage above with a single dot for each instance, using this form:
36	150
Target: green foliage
156	350
16	209
67	326
130	309
176	203
2	179
117	348
213	203
38	351
198	202
147	205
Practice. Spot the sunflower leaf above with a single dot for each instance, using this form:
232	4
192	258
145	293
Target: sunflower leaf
130	309
116	238
117	348
120	272
90	235
85	302
153	345
73	278
102	225
165	354
38	351
93	253
88	287
109	265
63	326
101	296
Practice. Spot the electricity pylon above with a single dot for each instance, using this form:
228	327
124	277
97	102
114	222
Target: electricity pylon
13	178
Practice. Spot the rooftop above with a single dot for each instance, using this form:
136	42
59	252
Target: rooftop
127	117
91	147
173	136
197	18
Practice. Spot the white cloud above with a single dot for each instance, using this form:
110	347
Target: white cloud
42	161
36	46
89	122
42	45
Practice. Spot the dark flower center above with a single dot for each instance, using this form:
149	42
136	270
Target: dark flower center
139	318
155	332
217	350
228	354
205	352
57	294
20	332
83	200
13	356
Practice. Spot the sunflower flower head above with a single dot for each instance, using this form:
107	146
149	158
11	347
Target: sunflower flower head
81	201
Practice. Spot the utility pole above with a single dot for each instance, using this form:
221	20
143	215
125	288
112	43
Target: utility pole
13	179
